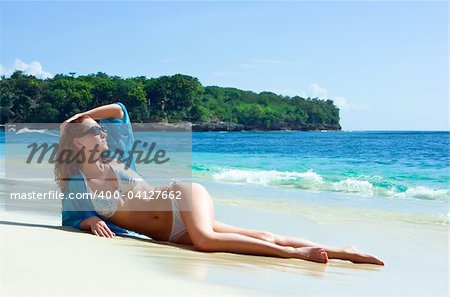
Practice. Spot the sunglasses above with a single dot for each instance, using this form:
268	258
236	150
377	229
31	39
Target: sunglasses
94	130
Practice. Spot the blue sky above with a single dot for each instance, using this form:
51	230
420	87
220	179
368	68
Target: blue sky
385	64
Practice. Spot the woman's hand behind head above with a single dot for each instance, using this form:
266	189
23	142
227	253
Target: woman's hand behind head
64	124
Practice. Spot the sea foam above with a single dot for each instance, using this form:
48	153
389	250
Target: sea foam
313	181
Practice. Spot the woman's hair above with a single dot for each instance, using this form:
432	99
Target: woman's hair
65	169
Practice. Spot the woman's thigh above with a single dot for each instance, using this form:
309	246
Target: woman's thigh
197	212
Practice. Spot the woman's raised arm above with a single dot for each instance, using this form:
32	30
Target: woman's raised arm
109	111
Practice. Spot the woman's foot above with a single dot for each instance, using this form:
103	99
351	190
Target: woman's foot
315	254
353	254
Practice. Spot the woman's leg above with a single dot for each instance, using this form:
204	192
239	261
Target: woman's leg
198	215
350	253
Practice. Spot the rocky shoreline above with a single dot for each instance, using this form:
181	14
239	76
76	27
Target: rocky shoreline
227	126
194	127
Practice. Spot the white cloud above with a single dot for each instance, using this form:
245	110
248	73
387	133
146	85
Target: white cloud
302	94
343	104
315	90
318	91
322	93
2	70
33	68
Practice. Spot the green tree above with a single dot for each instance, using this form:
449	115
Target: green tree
169	98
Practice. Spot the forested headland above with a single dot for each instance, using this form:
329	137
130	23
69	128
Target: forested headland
170	99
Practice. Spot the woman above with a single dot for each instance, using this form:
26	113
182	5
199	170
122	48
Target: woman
161	219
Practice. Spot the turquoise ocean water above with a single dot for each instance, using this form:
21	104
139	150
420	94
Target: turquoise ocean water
404	172
414	165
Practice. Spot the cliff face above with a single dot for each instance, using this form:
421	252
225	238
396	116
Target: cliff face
225	126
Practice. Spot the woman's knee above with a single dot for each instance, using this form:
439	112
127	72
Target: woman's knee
188	188
198	188
267	236
205	242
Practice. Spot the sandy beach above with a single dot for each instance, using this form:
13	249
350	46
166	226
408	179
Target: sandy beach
41	258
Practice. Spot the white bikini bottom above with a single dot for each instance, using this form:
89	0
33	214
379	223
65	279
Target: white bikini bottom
178	226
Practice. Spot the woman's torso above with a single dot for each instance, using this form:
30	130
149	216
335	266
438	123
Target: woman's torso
151	217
